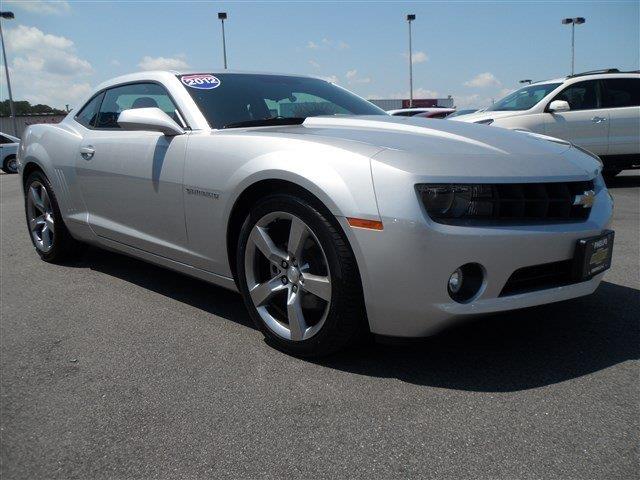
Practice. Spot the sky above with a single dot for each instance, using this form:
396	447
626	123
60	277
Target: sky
475	51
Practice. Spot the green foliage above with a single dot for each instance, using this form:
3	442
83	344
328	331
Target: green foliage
23	107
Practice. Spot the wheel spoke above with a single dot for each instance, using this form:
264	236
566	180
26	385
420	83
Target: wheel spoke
318	285
297	236
45	235
297	325
46	203
263	242
36	222
49	221
36	198
262	292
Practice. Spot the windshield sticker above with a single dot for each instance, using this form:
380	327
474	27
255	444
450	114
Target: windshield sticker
201	81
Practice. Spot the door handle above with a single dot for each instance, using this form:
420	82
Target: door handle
87	152
597	119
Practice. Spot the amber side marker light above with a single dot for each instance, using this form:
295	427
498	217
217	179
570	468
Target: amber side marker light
362	223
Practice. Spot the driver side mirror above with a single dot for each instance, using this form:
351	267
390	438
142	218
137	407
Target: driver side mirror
150	120
559	106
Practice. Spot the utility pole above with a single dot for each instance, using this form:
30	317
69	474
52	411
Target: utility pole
8	16
223	16
410	18
573	22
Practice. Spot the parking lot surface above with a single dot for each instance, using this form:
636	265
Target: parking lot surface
112	368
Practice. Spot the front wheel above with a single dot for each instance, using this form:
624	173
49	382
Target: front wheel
299	278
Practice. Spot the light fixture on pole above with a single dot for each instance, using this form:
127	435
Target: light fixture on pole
8	16
410	18
573	22
222	16
526	80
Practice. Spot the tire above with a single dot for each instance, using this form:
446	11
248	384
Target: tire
333	315
9	164
42	210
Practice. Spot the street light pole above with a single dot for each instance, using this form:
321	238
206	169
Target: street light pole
8	16
410	18
223	16
573	22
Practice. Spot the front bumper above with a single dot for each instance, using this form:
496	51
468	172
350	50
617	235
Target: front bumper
405	267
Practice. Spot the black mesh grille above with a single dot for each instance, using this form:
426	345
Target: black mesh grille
544	201
539	277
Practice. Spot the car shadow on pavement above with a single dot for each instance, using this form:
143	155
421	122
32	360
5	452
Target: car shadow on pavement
197	293
514	351
624	181
498	353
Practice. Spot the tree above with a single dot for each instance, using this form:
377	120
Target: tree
23	107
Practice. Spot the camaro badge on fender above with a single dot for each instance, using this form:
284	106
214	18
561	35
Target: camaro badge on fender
202	193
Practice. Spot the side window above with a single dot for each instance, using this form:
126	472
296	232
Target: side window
4	140
621	92
581	96
137	95
87	115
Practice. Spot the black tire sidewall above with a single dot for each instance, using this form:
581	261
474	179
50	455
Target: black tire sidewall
5	165
343	283
60	235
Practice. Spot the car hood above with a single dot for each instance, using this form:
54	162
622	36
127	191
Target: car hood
443	148
478	116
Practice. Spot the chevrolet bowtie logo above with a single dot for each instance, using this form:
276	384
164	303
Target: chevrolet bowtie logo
586	199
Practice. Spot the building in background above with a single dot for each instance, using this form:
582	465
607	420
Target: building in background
396	103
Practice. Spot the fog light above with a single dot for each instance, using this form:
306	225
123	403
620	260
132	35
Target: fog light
464	284
455	281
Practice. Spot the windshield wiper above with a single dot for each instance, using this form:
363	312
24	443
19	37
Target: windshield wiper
267	122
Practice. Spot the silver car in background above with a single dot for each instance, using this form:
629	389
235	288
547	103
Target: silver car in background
330	217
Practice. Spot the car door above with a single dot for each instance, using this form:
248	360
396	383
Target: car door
621	96
586	123
131	181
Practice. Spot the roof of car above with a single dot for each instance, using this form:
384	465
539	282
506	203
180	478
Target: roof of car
592	73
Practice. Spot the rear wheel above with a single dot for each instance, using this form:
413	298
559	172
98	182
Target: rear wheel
299	278
10	164
47	230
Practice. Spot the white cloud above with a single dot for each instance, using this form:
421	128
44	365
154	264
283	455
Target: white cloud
471	101
314	64
163	63
485	79
504	92
352	77
331	78
417	57
327	43
417	93
44	7
45	68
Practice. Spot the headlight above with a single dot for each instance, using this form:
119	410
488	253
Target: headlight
487	121
449	201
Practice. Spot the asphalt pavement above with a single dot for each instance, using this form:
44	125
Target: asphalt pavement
111	368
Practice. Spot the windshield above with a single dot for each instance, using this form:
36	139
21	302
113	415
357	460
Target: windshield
525	98
240	100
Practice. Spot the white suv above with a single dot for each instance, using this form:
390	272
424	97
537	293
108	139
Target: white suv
598	111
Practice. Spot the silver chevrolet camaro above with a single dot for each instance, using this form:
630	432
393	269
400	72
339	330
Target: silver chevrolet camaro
330	217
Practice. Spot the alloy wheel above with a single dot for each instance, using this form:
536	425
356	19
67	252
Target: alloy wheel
40	217
288	276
